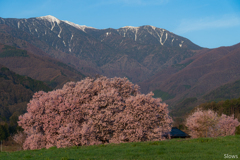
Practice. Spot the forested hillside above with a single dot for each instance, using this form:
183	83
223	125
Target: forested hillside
15	92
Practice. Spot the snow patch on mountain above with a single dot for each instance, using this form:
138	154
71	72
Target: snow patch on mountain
108	33
130	27
50	18
133	29
160	35
180	45
81	27
166	37
59	34
153	27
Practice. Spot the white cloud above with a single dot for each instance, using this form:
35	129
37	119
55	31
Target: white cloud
226	21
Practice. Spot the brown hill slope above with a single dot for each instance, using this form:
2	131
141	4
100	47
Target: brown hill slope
22	39
53	72
198	75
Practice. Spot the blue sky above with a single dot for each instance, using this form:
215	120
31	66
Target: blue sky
208	23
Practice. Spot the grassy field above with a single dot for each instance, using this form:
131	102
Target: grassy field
175	149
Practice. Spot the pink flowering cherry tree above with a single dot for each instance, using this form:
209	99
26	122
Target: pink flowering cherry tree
206	123
94	111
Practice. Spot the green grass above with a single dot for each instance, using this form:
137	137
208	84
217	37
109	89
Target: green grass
175	149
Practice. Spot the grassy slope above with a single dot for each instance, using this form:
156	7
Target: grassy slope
201	148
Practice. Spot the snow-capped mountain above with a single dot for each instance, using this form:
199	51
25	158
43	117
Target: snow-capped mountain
50	25
139	34
135	52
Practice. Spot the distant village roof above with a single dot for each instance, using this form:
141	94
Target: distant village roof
177	133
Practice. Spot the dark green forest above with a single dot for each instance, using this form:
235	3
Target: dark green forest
228	107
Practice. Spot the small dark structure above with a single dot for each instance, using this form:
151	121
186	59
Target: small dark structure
177	133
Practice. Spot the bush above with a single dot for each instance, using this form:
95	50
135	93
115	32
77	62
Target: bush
209	124
94	111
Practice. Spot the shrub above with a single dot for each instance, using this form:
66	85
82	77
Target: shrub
93	111
209	124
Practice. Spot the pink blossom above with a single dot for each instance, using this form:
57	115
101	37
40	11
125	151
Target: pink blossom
91	112
209	124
